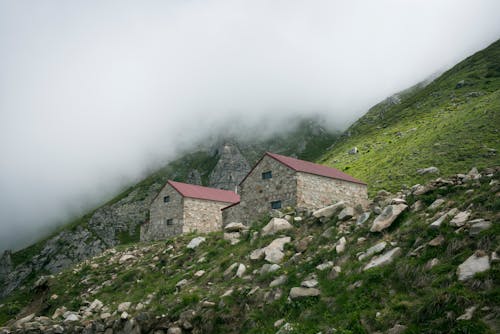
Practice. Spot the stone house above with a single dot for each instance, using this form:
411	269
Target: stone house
277	181
182	208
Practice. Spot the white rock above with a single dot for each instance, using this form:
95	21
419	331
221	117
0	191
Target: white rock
96	305
181	283
373	250
280	280
232	237
324	266
241	270
476	263
235	227
199	273
436	204
340	247
274	251
478	226
276	225
257	254
228	293
387	217
300	292
384	259
126	258
229	271
124	306
469	312
346	214
124	316
72	317
329	211
24	320
312	283
436	224
105	315
196	242
460	219
363	218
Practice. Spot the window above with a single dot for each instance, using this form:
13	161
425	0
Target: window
170	222
166	199
267	175
276	205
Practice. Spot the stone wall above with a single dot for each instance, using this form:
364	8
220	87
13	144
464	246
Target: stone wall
157	228
202	216
257	194
314	191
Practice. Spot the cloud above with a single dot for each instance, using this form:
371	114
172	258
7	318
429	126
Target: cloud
93	93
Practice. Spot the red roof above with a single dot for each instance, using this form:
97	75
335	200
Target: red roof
211	194
312	168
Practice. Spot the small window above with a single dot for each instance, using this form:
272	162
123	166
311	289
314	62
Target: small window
170	222
276	205
267	175
166	199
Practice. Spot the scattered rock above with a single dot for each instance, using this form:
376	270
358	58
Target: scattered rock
329	211
195	242
312	283
384	259
478	226
241	270
346	214
476	263
174	330
397	329
272	253
232	237
124	316
387	217
181	283
431	264
373	250
229	271
397	201
199	273
334	273
269	268
280	280
363	218
122	307
460	219
19	323
353	151
340	247
437	241
417	206
126	258
324	266
71	317
428	170
235	227
276	225
437	223
469	312
436	204
300	292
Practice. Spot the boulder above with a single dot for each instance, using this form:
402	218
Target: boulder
346	214
300	292
280	280
125	258
460	219
71	317
229	271
476	263
436	204
174	330
340	247
235	227
274	251
312	283
437	223
363	218
232	237
241	270
196	242
373	250
469	312
478	226
384	259
19	323
324	266
199	273
329	211
122	307
387	217
428	170
437	241
276	225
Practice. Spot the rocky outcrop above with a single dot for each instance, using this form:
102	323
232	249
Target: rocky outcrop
231	168
5	264
194	177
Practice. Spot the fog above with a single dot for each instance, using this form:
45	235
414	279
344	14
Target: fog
93	94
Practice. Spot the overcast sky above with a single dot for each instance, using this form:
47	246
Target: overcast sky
94	93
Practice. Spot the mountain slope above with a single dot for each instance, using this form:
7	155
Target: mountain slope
118	221
217	287
452	123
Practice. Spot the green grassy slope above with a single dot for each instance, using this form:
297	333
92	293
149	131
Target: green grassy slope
453	123
354	301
